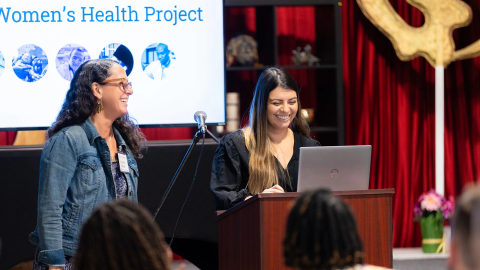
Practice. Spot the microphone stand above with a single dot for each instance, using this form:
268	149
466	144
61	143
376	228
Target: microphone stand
211	135
195	140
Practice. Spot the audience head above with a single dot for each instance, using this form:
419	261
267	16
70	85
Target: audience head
275	106
121	235
321	233
465	245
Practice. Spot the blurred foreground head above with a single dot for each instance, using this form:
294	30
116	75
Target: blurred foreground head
321	233
121	235
465	245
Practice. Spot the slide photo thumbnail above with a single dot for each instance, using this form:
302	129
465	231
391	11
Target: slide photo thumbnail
30	64
119	53
158	61
69	59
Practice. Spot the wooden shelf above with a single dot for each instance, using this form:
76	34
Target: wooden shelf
324	129
240	3
274	50
244	68
284	67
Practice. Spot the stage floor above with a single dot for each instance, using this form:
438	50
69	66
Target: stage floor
414	258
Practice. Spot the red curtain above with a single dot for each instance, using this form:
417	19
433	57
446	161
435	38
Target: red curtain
160	134
296	28
390	105
7	137
240	21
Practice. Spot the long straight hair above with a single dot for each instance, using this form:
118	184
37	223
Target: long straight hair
262	167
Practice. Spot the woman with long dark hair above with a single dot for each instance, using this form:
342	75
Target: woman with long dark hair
88	159
263	156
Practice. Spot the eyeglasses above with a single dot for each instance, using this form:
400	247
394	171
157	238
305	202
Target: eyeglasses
124	84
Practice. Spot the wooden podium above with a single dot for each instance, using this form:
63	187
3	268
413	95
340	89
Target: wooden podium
250	235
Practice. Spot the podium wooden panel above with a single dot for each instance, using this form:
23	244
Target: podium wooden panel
251	233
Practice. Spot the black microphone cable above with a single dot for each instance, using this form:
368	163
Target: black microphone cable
189	190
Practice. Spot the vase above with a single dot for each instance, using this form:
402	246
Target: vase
432	232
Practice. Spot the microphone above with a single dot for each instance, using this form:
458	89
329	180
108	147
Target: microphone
200	118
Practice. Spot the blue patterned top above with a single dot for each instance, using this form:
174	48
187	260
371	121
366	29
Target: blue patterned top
120	182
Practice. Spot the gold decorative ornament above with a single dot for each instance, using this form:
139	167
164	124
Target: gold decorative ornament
434	39
243	50
308	115
99	106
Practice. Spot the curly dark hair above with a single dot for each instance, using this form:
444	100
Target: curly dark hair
80	104
321	233
121	235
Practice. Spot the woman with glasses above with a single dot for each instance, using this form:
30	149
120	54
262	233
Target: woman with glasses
88	159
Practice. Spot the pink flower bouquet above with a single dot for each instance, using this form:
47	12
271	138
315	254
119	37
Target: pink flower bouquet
431	202
431	209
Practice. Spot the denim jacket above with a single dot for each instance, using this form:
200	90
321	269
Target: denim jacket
75	178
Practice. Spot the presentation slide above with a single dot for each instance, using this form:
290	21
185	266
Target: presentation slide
172	52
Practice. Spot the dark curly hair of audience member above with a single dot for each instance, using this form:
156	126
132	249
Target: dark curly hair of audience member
321	233
80	104
121	235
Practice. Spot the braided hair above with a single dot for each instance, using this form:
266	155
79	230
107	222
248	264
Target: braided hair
321	233
121	235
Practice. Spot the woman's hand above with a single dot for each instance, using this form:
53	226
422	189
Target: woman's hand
274	189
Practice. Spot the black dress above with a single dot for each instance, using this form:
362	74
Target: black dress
230	169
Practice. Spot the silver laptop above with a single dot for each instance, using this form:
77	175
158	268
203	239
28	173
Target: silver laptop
334	167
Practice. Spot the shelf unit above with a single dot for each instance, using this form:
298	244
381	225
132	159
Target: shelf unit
274	49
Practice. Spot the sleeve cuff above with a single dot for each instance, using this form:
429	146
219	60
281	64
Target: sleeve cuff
241	195
54	257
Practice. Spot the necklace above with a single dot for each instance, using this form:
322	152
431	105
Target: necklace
110	138
112	157
277	145
284	157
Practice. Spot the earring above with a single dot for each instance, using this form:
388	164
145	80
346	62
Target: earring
99	106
